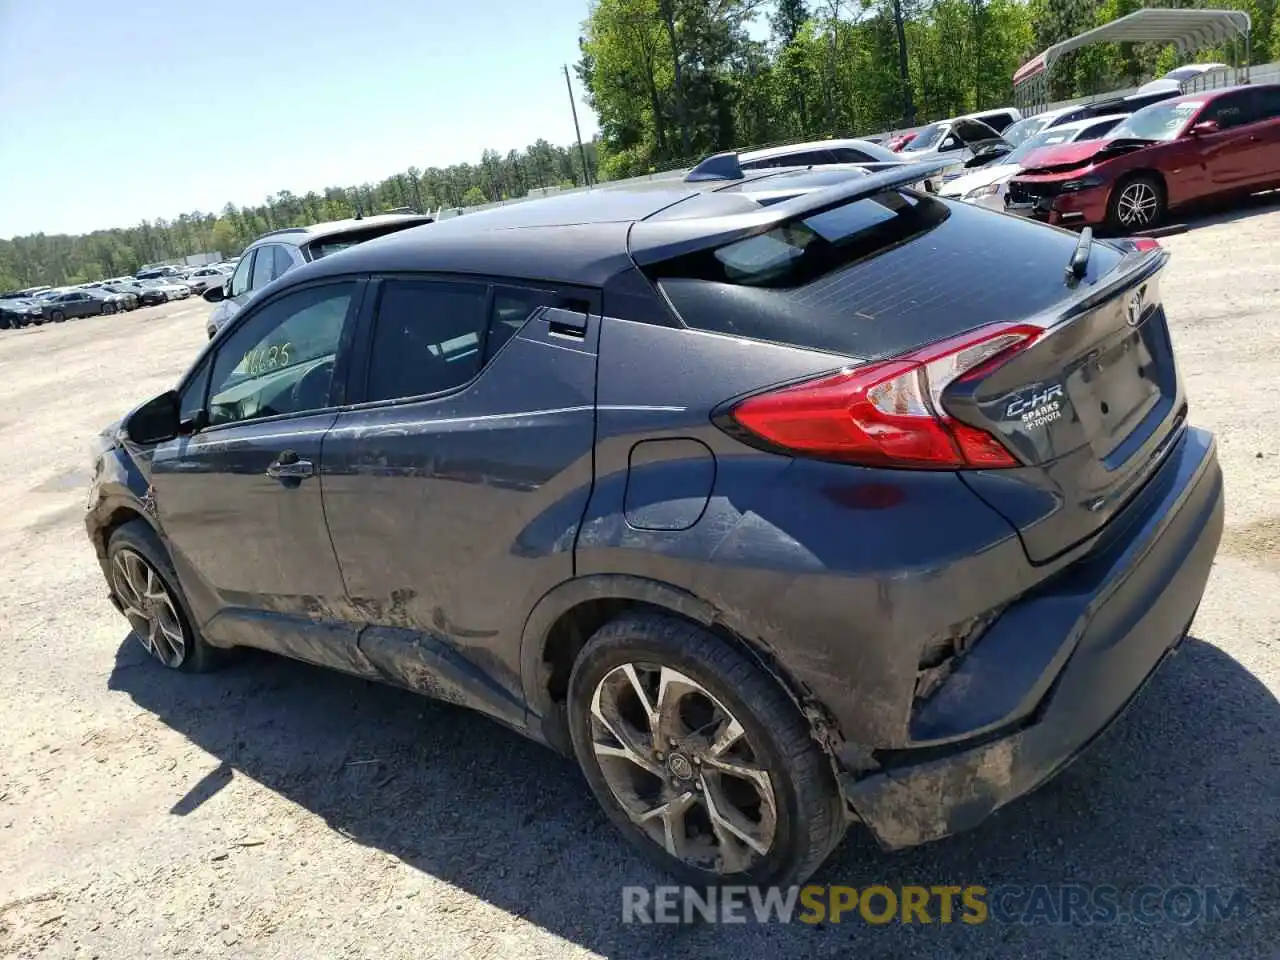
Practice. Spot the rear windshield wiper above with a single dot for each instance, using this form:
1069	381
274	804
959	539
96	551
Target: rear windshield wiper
1078	266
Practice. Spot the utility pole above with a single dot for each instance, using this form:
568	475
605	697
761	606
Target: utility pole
582	151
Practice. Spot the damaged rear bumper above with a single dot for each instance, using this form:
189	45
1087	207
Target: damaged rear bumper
1125	608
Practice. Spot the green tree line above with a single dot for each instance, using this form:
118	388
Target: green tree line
65	259
673	80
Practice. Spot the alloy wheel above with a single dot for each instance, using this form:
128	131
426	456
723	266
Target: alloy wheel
1138	204
682	768
150	608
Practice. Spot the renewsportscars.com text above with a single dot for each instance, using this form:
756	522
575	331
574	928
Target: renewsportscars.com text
878	904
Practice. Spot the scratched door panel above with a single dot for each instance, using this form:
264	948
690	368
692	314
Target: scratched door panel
451	515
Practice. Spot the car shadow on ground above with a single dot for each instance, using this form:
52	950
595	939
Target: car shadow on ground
1212	214
1182	791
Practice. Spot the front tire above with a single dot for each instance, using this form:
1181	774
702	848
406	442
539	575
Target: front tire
699	756
145	583
57	316
1136	204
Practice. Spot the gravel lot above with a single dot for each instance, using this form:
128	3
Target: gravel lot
277	810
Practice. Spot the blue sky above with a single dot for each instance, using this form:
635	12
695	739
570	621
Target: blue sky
112	112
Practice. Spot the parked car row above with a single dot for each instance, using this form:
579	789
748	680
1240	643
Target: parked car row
1186	149
38	305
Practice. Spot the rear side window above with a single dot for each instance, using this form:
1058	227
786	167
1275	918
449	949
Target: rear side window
850	155
264	269
808	159
512	307
1267	100
283	261
428	337
431	336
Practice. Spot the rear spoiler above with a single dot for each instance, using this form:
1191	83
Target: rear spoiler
718	166
667	238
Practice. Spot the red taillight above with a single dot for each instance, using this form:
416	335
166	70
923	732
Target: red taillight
1145	244
890	413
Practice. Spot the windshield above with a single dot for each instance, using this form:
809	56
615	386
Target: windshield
1024	129
927	138
1160	121
1047	138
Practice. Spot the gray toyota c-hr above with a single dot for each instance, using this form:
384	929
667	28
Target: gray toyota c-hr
781	501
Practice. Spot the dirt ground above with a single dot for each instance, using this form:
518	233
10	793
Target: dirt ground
276	810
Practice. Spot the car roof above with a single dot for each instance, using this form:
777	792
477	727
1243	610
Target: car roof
766	153
587	238
331	228
1207	96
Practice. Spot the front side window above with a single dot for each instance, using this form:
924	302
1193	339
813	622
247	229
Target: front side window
1233	110
428	338
281	360
240	279
191	398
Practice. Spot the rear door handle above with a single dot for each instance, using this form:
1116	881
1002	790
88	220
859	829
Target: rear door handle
290	469
566	323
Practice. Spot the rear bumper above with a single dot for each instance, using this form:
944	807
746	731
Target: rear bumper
1101	633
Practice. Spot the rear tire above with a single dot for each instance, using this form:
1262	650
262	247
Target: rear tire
1137	203
145	583
714	776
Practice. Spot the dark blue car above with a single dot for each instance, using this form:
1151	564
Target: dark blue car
782	501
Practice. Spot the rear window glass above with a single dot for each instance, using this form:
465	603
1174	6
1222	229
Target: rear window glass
800	251
873	276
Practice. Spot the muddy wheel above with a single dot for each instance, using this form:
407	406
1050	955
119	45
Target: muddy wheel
146	585
700	757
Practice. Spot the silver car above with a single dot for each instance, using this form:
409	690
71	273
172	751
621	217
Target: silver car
279	251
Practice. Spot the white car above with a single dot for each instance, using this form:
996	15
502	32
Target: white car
986	185
817	153
953	138
1188	79
201	278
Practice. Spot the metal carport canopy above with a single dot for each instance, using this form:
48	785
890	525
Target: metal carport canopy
1188	29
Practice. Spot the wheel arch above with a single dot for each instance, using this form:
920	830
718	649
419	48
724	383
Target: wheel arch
564	619
111	516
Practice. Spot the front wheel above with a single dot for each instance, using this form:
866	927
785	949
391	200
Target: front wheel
699	757
57	316
146	585
1137	204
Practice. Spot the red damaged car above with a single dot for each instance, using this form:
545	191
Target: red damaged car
1187	149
